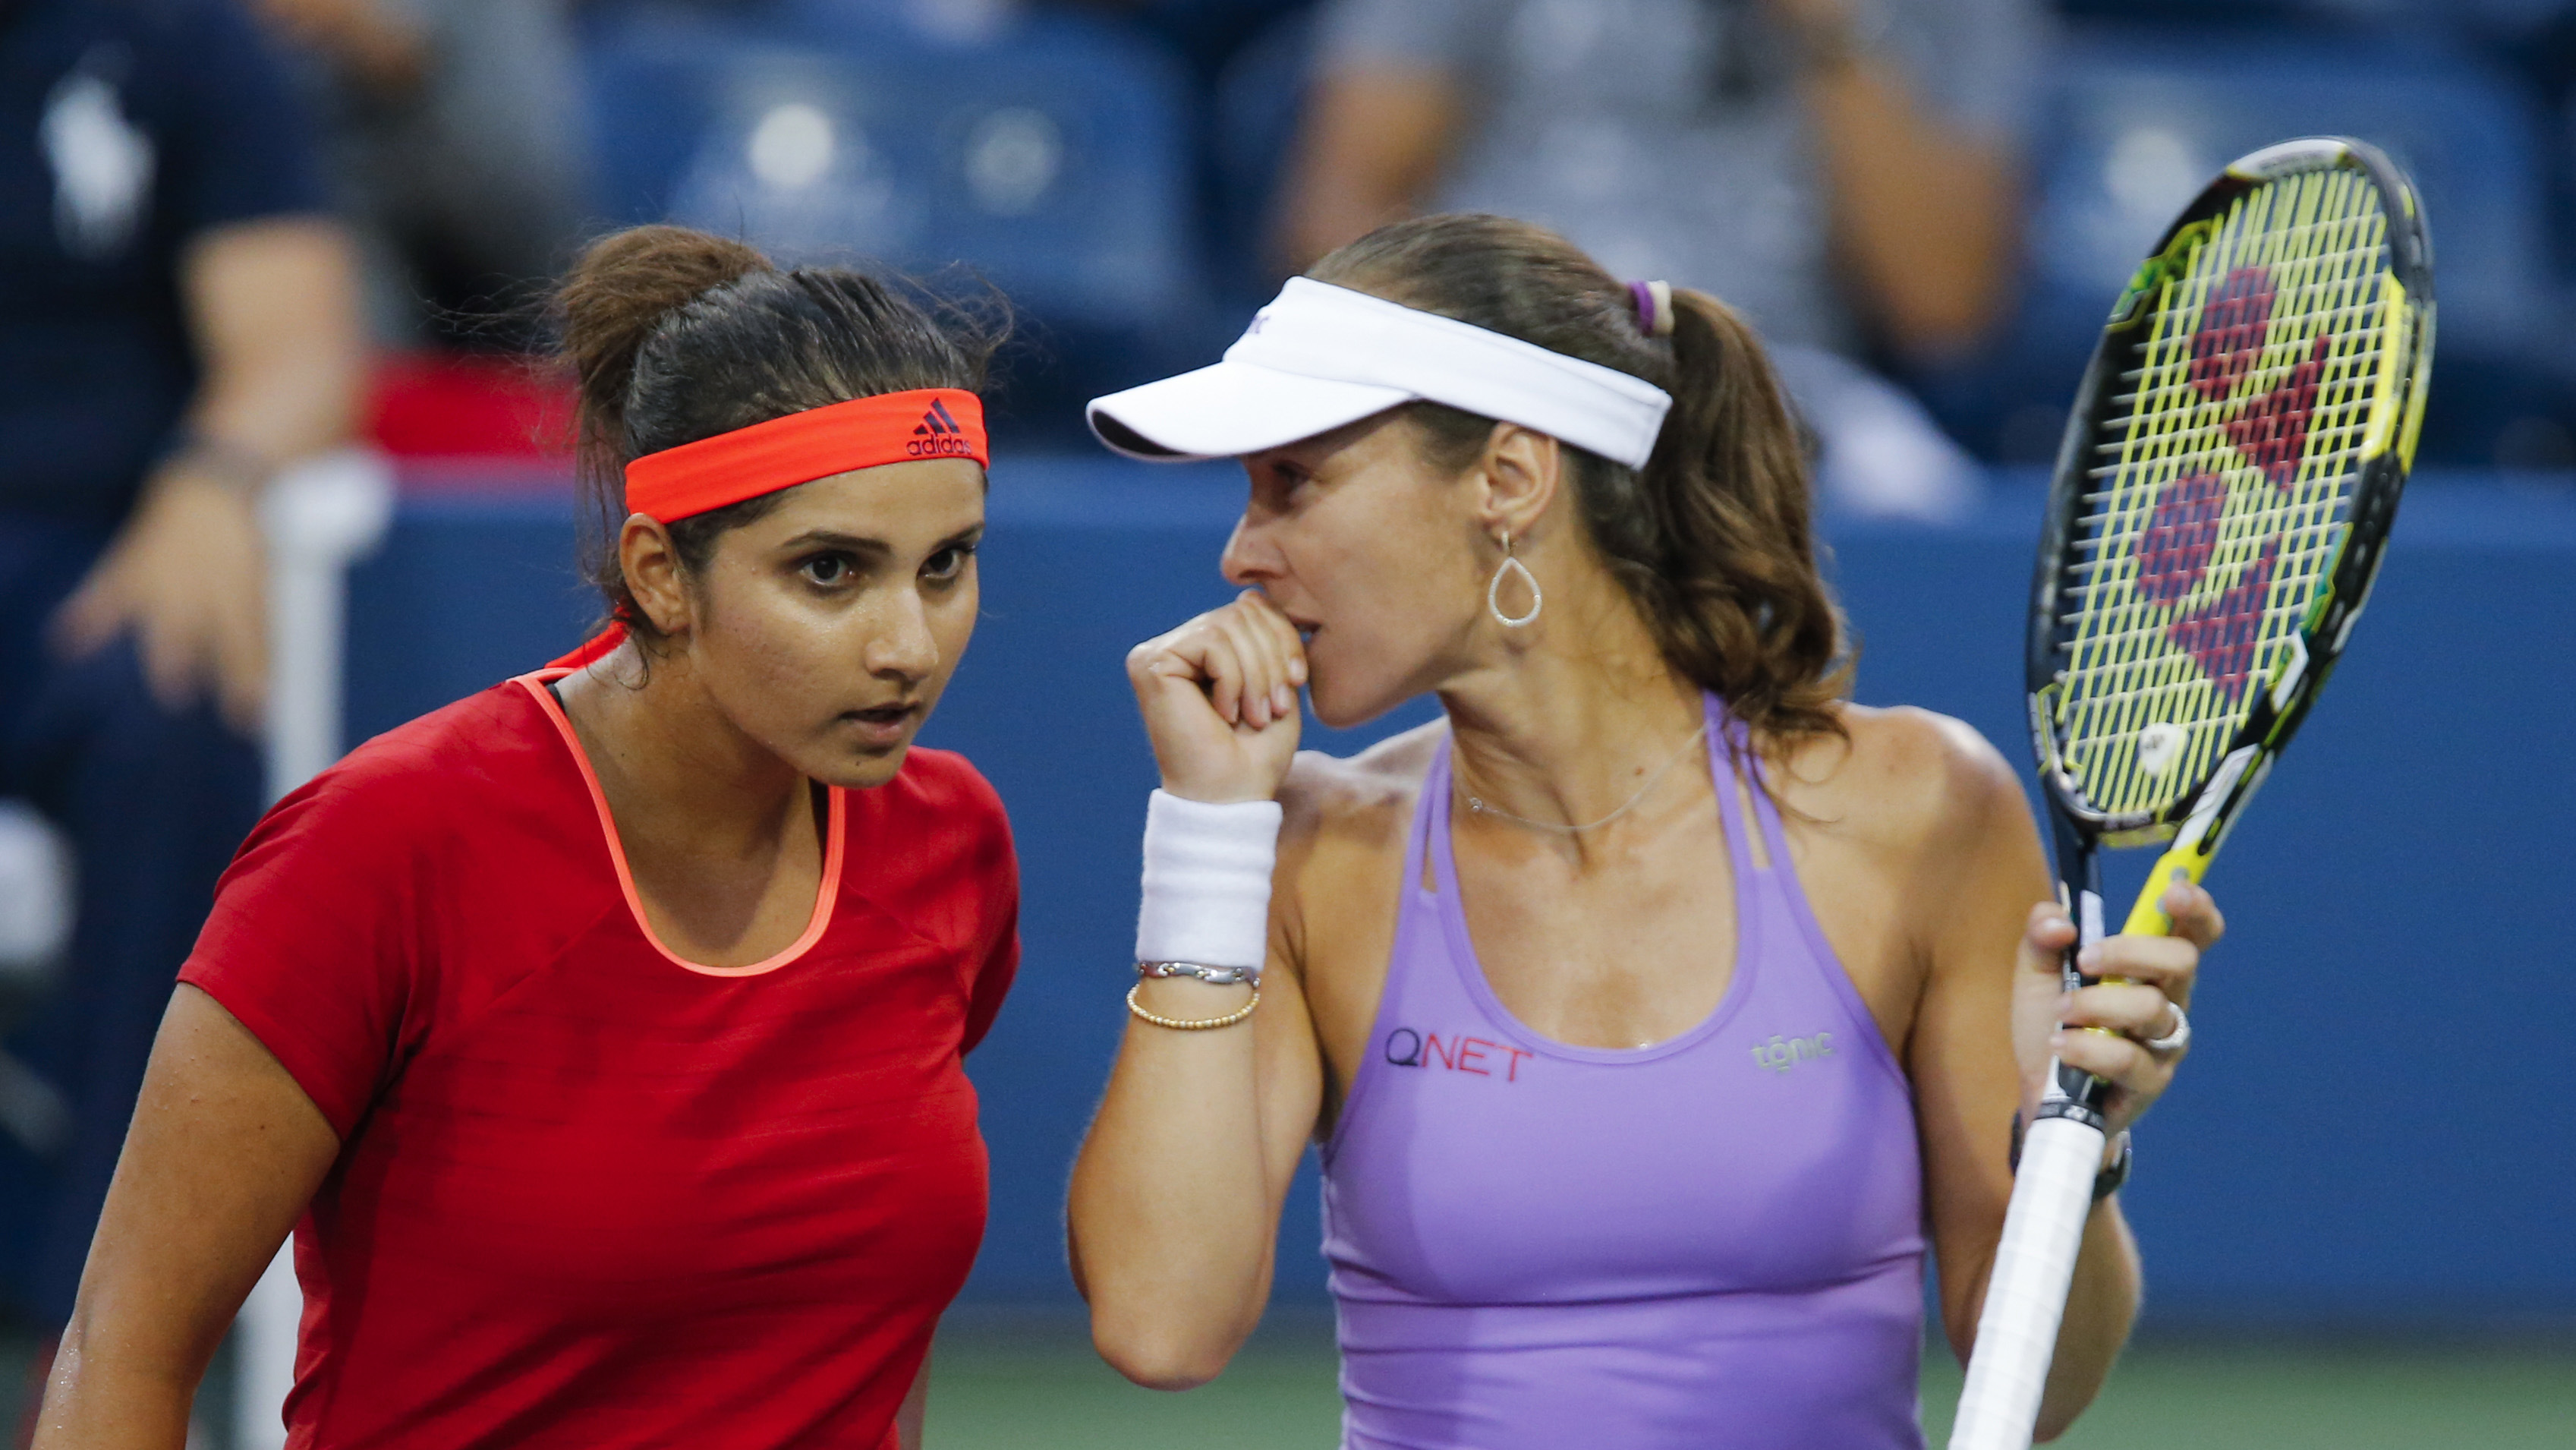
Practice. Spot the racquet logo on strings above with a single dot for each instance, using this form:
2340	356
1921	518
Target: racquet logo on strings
2269	433
2226	452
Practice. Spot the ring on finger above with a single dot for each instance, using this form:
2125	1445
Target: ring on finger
2176	1037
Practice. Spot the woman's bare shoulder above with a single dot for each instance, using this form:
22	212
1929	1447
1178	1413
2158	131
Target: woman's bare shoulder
1362	800
1901	777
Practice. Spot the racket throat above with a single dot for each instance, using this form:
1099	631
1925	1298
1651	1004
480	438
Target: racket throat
2071	1092
2079	894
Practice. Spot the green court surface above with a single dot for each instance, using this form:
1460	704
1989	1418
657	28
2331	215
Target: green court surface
1001	1385
1006	1383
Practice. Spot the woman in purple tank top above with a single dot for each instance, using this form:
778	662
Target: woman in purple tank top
1657	1008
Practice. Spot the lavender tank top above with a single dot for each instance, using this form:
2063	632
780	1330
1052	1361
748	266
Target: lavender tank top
1712	1242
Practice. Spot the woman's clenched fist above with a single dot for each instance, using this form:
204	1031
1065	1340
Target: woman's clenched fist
1219	695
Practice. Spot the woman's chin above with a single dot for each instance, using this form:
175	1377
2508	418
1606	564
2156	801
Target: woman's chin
1344	709
860	771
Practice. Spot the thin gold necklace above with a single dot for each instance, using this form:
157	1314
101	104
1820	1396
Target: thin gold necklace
1478	807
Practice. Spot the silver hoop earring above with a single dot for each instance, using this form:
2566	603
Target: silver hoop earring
1494	590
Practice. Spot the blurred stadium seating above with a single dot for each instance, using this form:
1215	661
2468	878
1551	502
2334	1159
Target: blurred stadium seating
1117	183
1048	152
2141	117
1253	112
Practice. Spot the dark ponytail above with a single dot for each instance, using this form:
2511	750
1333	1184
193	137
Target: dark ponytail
1713	538
676	335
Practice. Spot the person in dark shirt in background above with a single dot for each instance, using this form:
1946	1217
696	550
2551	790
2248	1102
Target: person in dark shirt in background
178	321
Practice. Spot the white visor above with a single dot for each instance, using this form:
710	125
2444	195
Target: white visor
1321	356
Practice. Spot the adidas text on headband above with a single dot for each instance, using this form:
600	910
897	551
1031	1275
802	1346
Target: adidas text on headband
712	473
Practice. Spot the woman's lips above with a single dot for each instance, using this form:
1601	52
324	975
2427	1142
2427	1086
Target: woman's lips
884	724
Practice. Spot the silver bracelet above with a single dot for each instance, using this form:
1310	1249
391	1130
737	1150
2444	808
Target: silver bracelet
1213	976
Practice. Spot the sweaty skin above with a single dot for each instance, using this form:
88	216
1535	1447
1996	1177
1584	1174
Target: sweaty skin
1910	837
824	635
811	650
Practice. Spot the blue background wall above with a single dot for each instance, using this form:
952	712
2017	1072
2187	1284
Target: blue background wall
2375	1125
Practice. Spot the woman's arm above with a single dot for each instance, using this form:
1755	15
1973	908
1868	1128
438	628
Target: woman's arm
1982	1037
1177	1193
272	314
1922	208
1174	1212
224	1154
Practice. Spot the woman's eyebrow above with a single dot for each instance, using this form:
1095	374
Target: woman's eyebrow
834	538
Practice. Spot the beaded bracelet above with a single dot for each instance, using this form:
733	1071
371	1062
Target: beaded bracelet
1179	1024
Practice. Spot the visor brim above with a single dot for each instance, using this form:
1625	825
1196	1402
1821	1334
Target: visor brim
1230	409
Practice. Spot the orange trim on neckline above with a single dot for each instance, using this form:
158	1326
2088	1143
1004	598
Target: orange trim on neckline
825	897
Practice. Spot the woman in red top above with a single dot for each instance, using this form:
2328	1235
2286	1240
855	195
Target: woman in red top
598	1036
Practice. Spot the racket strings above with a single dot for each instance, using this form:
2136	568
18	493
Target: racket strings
2171	566
2230	459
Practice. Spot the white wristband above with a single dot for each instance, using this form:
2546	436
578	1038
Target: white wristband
1207	882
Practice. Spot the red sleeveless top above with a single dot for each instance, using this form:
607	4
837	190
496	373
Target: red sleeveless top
588	1193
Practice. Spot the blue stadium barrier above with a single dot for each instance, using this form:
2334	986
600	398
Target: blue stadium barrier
2373	1129
2139	119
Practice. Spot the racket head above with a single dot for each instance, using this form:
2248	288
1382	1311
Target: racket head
2226	485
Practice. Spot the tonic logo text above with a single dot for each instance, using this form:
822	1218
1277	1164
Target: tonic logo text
1783	1053
1408	1048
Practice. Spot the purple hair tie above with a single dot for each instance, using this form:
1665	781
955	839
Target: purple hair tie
1654	307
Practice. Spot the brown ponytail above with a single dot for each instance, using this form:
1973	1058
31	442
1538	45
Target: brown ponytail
1712	539
676	335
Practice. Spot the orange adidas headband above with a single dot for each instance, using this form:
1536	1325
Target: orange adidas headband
711	473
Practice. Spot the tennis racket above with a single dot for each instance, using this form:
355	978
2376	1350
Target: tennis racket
2220	509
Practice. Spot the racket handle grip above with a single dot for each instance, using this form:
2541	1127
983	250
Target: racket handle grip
2147	917
2026	1297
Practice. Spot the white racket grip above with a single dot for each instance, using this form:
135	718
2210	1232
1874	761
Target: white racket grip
2026	1297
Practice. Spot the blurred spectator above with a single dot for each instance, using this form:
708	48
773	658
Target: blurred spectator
453	129
1246	63
1206	33
177	321
1844	171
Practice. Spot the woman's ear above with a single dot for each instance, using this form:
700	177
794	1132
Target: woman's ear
1522	470
654	577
